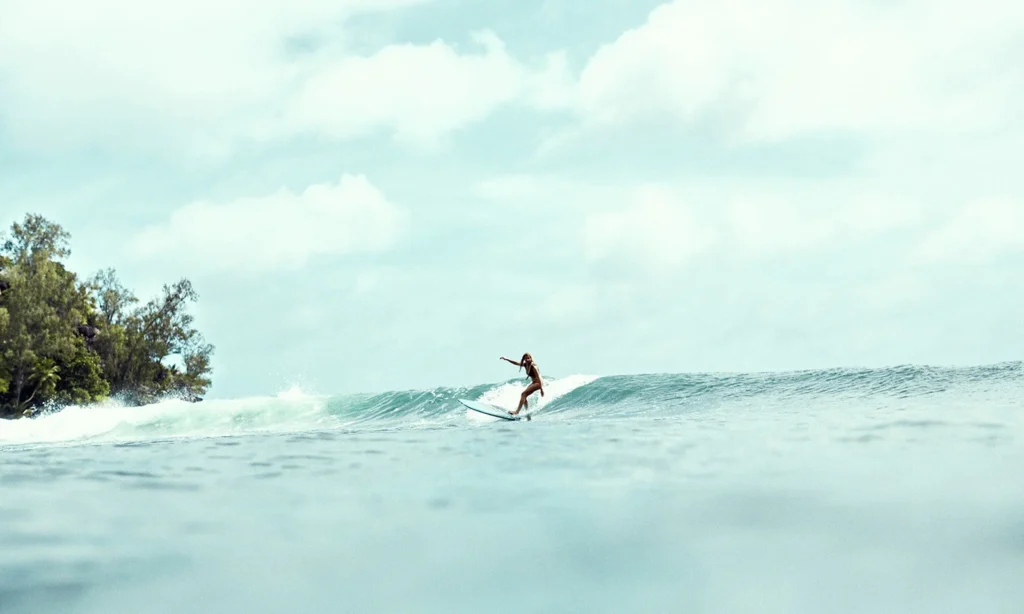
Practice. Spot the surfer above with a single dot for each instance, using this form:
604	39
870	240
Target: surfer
533	373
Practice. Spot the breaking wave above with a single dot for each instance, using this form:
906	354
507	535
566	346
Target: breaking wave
575	397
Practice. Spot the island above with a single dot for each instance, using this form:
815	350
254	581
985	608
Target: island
70	341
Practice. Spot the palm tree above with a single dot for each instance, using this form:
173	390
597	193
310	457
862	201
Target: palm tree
45	374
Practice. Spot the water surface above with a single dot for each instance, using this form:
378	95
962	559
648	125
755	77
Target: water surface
893	490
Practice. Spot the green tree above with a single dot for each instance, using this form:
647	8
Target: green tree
43	300
81	377
112	299
65	341
160	329
5	375
139	341
43	377
114	304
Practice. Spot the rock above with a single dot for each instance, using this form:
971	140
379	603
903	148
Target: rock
87	331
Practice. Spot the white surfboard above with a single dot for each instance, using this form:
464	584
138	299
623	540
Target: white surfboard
495	411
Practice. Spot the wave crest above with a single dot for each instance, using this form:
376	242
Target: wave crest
574	396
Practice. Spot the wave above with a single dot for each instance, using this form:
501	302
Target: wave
574	397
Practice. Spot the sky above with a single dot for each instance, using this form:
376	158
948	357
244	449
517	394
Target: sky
391	194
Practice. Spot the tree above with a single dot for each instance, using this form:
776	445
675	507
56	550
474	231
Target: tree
196	355
64	341
138	341
5	379
81	377
5	376
43	377
44	297
160	329
114	302
36	239
112	299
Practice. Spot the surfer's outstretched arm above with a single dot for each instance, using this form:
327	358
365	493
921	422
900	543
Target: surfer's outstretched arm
509	360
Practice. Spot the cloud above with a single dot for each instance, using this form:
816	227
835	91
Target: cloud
205	77
976	234
278	231
782	68
655	230
421	92
546	193
666	227
800	220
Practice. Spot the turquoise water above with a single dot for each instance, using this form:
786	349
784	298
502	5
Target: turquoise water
896	490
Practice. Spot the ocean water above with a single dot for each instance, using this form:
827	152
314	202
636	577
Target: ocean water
888	490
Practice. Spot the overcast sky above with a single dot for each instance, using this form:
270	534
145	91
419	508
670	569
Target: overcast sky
377	194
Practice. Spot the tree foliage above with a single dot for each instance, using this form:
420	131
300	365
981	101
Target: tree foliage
66	341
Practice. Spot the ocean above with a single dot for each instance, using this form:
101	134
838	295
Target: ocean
844	490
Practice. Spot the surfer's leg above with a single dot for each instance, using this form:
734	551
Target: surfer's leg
522	403
526	393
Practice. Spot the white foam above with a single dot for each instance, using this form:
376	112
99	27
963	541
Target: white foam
112	421
507	395
292	410
294	393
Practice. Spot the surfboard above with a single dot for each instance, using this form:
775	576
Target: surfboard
495	411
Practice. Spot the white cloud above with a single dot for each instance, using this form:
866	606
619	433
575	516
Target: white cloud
205	76
421	92
666	227
546	193
767	223
975	234
798	220
656	230
278	231
789	67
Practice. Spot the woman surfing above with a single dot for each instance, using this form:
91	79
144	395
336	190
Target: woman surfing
533	373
